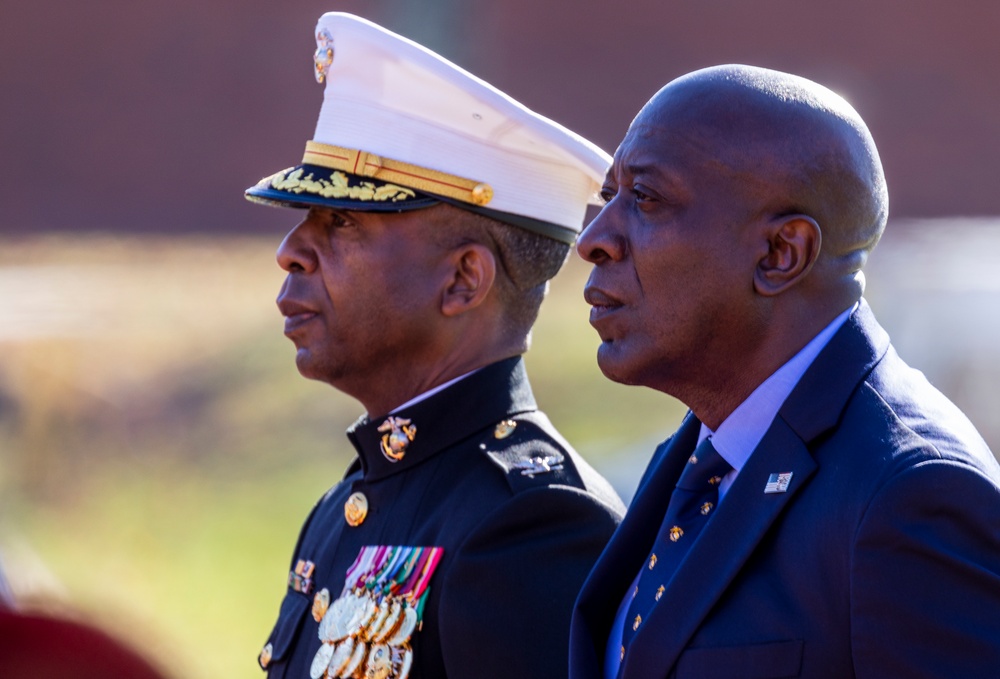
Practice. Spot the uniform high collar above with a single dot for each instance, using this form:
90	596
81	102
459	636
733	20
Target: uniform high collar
480	400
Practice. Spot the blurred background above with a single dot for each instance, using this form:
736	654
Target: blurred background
158	450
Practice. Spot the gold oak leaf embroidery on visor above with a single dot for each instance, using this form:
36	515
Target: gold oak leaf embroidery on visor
337	187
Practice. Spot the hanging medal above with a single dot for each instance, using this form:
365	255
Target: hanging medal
366	631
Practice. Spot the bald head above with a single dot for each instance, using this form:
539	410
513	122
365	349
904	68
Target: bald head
741	207
792	145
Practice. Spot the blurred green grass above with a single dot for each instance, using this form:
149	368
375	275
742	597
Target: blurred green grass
158	449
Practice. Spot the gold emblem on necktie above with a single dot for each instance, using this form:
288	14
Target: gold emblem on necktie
635	623
652	561
714	480
675	533
706	508
397	434
659	592
504	429
356	509
693	459
622	656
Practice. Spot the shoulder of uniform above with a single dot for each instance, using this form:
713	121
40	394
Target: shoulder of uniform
530	452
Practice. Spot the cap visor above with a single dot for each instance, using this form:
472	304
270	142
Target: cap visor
305	186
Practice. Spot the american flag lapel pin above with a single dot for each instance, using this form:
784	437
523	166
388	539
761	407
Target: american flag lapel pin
778	482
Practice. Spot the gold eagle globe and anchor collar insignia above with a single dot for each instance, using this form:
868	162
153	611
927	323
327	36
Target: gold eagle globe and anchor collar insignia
397	433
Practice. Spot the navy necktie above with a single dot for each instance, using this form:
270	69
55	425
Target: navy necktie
691	505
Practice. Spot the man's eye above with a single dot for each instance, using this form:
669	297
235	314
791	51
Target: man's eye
640	195
338	221
607	194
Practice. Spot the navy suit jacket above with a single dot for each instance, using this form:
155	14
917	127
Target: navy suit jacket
881	560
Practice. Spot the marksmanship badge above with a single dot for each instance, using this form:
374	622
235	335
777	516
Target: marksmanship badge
539	465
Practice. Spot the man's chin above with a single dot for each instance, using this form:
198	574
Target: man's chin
614	362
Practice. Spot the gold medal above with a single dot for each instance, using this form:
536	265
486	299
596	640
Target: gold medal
360	649
321	602
356	509
321	661
332	627
389	625
406	627
379	664
377	622
405	663
340	625
341	656
350	623
369	610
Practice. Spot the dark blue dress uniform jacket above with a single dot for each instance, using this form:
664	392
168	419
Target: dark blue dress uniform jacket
516	548
881	560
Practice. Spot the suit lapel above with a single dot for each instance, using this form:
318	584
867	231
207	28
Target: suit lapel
626	551
741	520
747	513
724	545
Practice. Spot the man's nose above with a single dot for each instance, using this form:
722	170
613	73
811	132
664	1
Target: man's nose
295	252
601	240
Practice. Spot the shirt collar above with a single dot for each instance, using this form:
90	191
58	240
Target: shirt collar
430	392
442	419
738	435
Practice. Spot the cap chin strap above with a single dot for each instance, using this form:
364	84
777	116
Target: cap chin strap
422	179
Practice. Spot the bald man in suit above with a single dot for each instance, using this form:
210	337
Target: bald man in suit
823	511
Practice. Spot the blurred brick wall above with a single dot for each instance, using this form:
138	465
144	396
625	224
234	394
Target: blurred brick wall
118	115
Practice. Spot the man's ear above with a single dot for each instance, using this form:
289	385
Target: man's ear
474	268
793	247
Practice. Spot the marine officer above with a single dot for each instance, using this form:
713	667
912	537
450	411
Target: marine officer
437	210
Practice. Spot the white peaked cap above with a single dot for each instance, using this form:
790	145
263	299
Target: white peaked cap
401	127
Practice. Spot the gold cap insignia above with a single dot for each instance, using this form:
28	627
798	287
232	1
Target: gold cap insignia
356	509
324	54
398	432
